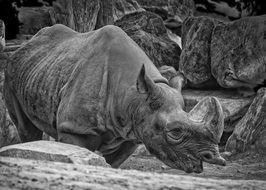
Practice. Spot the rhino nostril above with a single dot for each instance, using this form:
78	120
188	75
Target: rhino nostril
207	155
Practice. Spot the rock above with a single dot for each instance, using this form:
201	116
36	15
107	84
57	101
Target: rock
233	105
80	15
173	13
195	61
169	8
53	151
250	127
238	51
113	10
148	31
30	174
84	16
33	19
2	36
141	151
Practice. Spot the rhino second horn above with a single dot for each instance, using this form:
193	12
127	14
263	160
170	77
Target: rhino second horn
209	112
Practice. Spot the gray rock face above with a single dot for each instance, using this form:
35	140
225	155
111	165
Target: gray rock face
234	106
195	61
85	16
169	8
148	31
238	52
30	174
33	19
251	127
230	53
2	35
53	151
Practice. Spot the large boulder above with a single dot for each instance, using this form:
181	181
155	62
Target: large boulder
169	8
234	106
84	16
148	31
251	128
195	61
32	19
238	52
30	174
53	151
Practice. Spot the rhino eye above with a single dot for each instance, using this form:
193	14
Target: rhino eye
175	133
175	136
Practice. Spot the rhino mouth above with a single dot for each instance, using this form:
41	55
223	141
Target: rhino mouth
186	163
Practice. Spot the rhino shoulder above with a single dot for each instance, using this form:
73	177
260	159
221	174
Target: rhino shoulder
57	31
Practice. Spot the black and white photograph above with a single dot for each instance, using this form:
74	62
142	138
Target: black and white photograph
132	95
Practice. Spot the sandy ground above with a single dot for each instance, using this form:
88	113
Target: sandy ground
246	166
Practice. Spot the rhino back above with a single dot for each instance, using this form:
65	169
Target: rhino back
59	59
37	71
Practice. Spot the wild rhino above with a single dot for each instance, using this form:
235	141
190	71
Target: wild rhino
99	90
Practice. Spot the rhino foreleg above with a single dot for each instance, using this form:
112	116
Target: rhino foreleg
69	133
118	157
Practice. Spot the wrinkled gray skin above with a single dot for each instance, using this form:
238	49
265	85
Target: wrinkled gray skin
99	90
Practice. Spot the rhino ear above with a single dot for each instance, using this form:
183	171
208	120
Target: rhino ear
145	85
209	112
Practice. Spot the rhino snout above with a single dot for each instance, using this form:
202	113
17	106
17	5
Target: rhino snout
209	157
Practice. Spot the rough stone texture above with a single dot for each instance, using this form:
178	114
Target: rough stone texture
33	19
53	151
112	10
29	174
238	52
169	8
148	31
84	16
195	61
251	126
2	36
233	105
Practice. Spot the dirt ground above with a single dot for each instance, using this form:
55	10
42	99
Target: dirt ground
246	166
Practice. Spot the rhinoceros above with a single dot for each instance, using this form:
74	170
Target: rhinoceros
99	90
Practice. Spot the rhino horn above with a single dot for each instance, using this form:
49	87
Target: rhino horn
145	84
209	112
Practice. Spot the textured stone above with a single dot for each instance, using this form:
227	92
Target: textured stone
2	36
195	61
84	16
238	52
113	10
169	8
29	174
148	31
33	19
80	15
53	151
250	127
233	105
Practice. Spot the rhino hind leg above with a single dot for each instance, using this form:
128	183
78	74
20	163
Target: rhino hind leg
26	129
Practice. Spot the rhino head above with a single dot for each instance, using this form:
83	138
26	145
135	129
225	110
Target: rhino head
179	139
